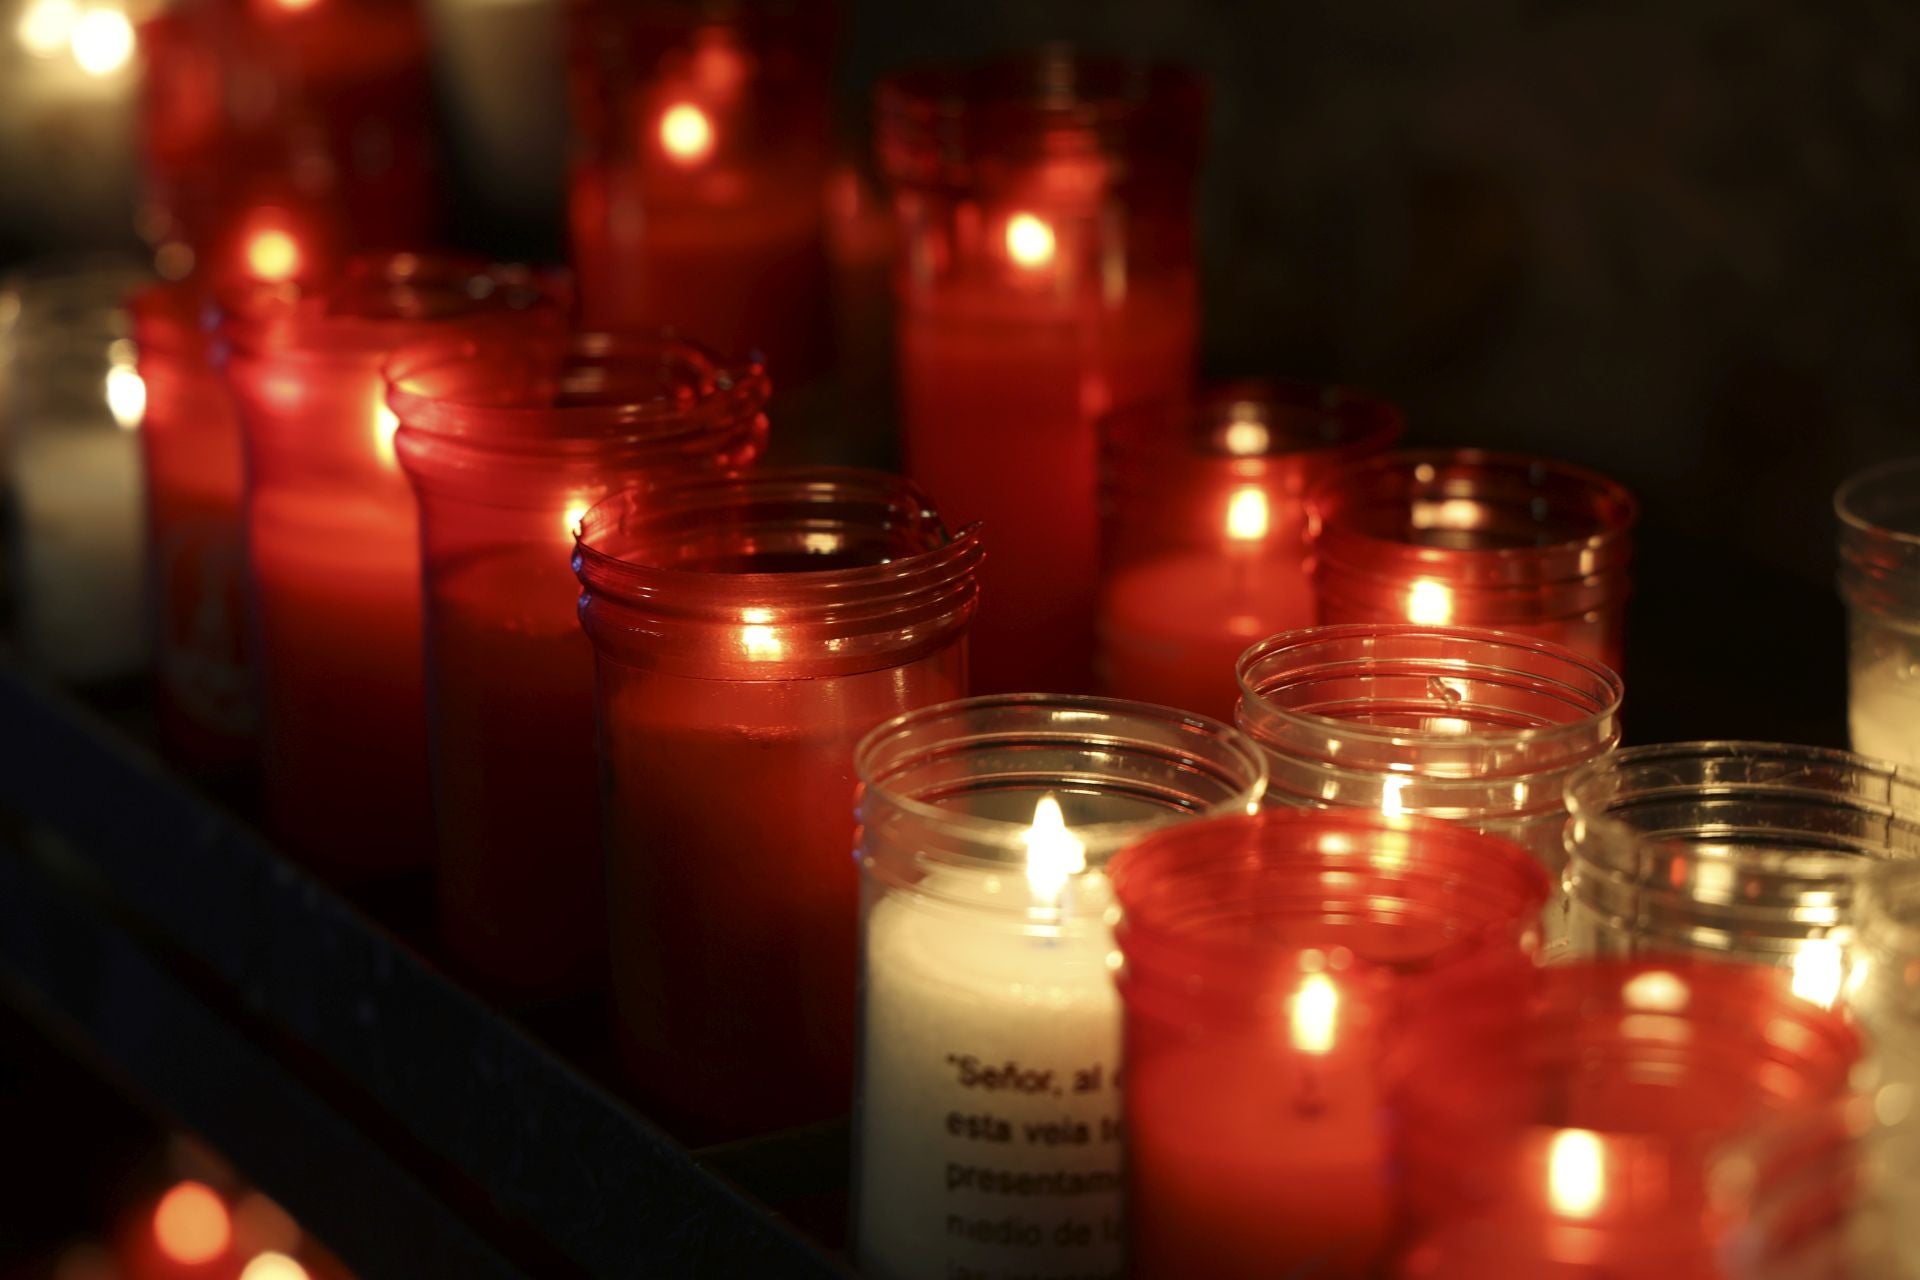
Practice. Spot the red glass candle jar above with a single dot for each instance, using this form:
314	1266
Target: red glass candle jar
277	136
1563	1121
1265	959
1475	539
333	544
1204	529
204	697
747	632
698	192
1478	727
1045	278
508	442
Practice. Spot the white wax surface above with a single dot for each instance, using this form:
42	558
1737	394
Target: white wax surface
940	1161
1883	708
76	487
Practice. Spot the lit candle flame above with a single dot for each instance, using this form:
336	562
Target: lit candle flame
1316	1014
1247	517
758	638
1246	436
1818	971
1054	854
1576	1173
46	28
1029	241
1430	603
102	41
571	518
273	1266
273	255
385	424
191	1225
126	395
686	133
1390	802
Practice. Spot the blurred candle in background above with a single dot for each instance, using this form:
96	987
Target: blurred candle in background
698	192
1045	278
1203	529
1879	511
508	441
334	545
71	403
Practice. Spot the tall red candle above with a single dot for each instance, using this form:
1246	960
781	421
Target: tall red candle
1266	961
747	632
1045	278
1565	1121
1475	539
1204	529
203	683
698	192
334	546
508	442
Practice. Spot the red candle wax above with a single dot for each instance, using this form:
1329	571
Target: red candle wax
1204	530
748	632
1045	278
698	197
203	687
1265	959
334	547
508	442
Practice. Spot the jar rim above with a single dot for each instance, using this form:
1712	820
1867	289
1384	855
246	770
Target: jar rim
1847	500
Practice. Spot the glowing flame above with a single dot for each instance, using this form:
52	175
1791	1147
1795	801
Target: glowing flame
45	30
273	1266
1054	854
385	424
1316	1014
1818	971
1576	1173
1390	802
1246	436
1247	517
1029	240
1657	991
296	6
190	1224
1430	603
570	519
758	638
126	395
686	133
273	255
102	41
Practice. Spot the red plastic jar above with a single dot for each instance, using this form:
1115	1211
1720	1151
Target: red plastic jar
1267	960
1203	513
205	702
334	545
1567	1121
699	185
1467	538
508	442
748	631
1045	278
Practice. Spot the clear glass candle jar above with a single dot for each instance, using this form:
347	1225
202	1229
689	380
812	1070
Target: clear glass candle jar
1735	850
1879	512
334	545
1478	727
1883	991
1266	958
1045	278
990	1031
508	441
1568	1121
698	192
70	403
747	632
205	703
1467	538
1203	515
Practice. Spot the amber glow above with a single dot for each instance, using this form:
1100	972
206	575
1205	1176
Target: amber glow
1054	854
1429	603
1316	1014
1029	240
273	1266
126	395
1818	971
758	638
1390	802
1576	1173
46	26
190	1224
1247	517
273	255
102	41
1245	435
686	133
570	519
385	424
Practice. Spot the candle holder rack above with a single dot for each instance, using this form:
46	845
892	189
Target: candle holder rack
419	1132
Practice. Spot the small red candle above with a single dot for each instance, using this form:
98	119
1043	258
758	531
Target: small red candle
508	442
334	546
203	686
1266	958
1045	278
1476	539
748	632
1204	529
698	196
1565	1121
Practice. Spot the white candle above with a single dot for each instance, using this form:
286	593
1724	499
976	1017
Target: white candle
990	1124
1883	704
